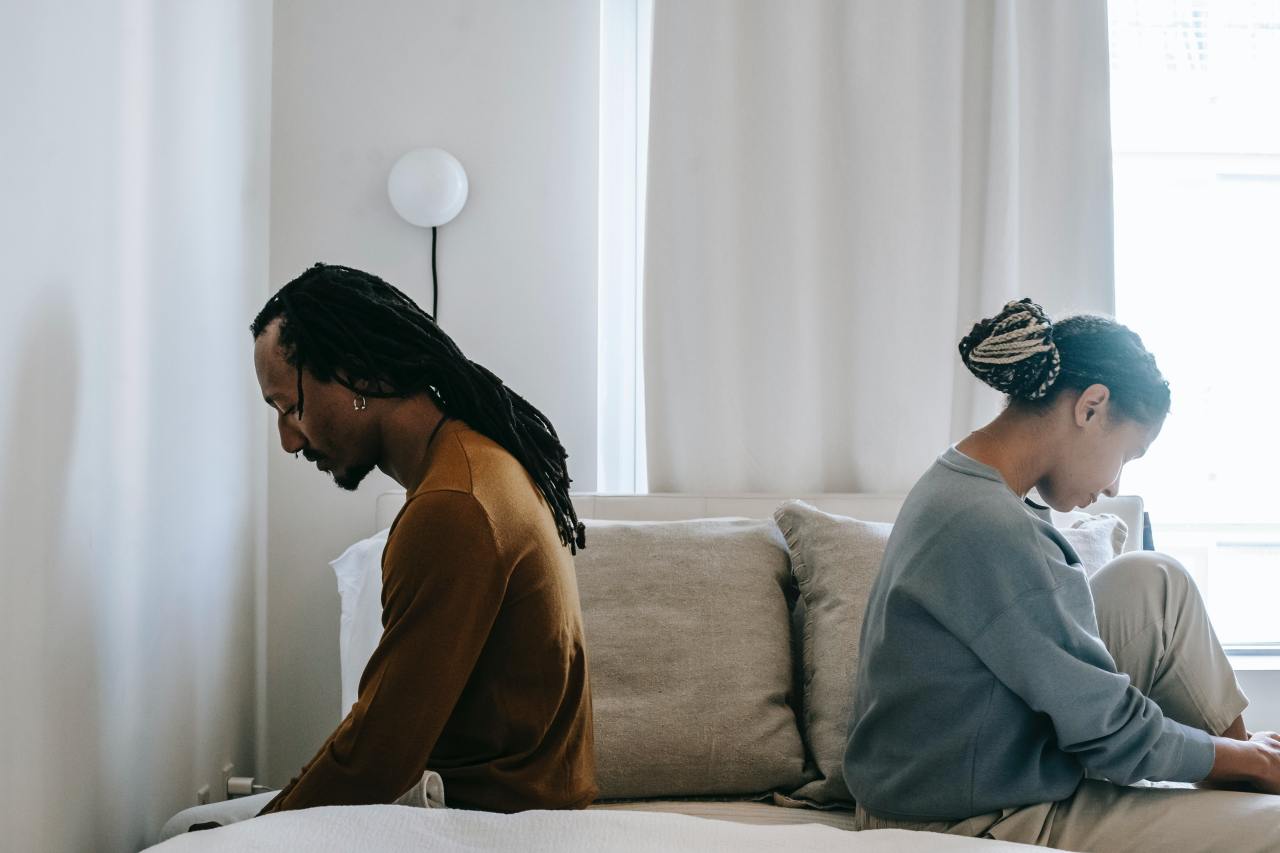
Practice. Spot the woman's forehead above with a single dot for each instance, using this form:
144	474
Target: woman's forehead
1138	436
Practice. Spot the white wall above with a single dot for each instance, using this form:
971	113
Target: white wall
1260	680
133	227
510	88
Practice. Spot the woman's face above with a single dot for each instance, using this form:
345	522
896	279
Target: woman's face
1098	445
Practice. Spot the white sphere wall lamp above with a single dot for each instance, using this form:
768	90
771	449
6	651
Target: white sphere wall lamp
428	188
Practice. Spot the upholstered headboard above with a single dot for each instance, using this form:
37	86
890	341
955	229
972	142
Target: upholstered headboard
668	507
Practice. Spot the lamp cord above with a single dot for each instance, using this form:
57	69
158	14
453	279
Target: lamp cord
435	286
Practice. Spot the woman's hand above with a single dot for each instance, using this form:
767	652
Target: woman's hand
1255	761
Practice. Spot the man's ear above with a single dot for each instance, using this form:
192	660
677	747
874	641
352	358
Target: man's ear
1091	405
365	386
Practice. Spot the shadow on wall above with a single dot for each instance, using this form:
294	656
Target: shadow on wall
50	621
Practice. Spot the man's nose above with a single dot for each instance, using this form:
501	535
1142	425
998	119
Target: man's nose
290	439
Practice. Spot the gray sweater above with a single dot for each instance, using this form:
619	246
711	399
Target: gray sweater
982	682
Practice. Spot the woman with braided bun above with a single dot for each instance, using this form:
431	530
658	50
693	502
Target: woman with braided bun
1003	694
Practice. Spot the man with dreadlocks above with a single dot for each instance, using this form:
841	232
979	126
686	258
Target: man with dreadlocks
481	673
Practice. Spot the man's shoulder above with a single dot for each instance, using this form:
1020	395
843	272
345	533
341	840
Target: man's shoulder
469	463
467	459
445	524
439	507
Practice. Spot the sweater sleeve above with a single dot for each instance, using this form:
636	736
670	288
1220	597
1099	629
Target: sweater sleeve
443	586
1045	648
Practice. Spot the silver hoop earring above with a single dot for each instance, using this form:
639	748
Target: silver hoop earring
360	403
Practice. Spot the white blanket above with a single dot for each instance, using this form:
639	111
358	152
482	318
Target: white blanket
398	829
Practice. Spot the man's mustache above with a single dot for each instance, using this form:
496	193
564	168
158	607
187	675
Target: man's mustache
312	456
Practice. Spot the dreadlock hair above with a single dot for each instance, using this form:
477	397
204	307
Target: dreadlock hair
1032	360
350	327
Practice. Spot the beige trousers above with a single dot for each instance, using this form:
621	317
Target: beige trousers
1154	623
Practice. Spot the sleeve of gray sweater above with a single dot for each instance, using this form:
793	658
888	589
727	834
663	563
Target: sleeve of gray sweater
981	660
1038	635
1097	714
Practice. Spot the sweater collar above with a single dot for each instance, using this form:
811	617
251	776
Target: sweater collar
958	461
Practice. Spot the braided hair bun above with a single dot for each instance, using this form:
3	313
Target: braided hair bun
1014	351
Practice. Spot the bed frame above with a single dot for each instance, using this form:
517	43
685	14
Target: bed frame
675	507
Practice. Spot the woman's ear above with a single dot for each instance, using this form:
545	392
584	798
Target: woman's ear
1091	405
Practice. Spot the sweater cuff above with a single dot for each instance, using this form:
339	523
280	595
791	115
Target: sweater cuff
1197	756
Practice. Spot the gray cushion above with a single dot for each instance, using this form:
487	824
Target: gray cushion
690	654
834	560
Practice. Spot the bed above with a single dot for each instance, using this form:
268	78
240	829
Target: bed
392	829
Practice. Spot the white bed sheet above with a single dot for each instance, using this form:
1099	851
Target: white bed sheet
742	811
399	829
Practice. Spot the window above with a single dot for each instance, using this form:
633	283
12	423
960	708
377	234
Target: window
626	34
1195	107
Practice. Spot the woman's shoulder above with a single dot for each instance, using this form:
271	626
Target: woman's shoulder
968	531
948	499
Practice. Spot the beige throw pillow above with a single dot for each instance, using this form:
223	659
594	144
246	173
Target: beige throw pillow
689	646
834	560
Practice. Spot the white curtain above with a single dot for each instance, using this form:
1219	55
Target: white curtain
837	191
133	233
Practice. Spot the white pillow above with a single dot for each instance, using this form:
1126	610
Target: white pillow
1097	539
1128	508
359	572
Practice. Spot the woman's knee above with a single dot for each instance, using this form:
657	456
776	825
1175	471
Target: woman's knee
1141	571
1147	581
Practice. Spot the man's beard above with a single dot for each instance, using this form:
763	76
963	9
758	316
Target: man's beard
351	478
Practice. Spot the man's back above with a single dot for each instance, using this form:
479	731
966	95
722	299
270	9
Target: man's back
520	736
481	673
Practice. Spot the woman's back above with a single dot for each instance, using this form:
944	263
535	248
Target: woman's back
982	682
